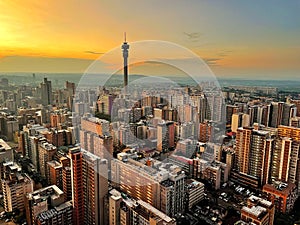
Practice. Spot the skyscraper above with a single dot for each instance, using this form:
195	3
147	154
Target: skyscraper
242	154
46	92
77	186
281	113
281	159
253	153
165	135
257	153
89	187
288	112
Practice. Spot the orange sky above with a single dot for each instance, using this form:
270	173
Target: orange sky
233	37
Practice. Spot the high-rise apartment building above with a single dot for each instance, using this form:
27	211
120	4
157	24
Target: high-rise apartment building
205	131
236	121
157	183
242	154
264	114
194	193
54	176
253	112
67	181
253	149
230	110
75	156
289	111
89	186
125	211
276	113
105	103
281	113
165	135
95	137
95	187
70	87
293	134
215	107
296	102
280	162
258	145
46	154
115	200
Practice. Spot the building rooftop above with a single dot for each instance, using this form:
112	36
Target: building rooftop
155	211
115	195
167	183
46	215
261	201
13	166
47	146
54	164
42	194
92	157
193	184
216	163
64	205
96	120
158	170
280	187
256	211
181	159
4	146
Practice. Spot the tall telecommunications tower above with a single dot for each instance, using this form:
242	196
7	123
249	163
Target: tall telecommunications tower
125	48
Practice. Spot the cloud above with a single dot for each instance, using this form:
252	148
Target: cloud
95	53
193	37
224	53
212	61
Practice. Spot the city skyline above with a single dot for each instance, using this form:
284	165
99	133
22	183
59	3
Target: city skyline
68	37
158	153
149	112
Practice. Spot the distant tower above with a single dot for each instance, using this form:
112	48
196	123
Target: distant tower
46	92
125	48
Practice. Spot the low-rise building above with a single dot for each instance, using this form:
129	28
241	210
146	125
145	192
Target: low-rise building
59	215
41	201
123	210
283	195
15	185
258	211
194	193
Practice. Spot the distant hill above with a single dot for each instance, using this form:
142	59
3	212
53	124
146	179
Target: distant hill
59	79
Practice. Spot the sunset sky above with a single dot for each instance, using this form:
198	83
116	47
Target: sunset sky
237	38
